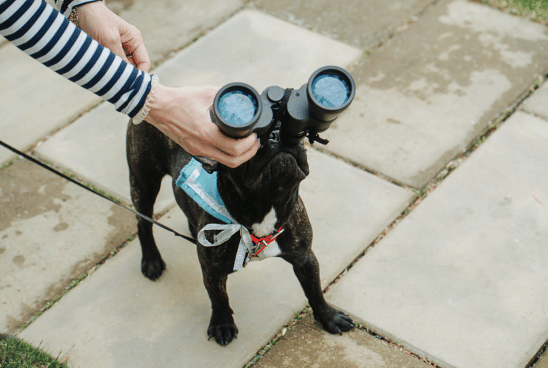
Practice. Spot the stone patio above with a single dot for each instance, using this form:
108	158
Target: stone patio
458	279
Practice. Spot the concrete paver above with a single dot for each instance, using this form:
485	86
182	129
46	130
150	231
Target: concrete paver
168	25
308	345
542	362
428	92
97	321
458	281
258	49
34	100
51	232
361	23
461	280
93	147
536	103
51	102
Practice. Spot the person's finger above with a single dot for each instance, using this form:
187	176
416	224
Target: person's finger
133	44
234	147
141	58
116	48
195	147
233	161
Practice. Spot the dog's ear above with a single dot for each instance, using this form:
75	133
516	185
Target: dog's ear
208	164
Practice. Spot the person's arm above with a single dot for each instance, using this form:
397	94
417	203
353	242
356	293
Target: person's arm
39	30
180	113
111	31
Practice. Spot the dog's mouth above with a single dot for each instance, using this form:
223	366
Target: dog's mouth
282	170
276	167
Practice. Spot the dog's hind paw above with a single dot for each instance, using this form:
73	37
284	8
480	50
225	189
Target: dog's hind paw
336	322
223	334
153	269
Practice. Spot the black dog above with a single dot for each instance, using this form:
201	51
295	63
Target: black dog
262	195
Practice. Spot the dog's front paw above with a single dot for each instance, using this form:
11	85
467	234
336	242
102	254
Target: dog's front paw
153	269
223	334
335	321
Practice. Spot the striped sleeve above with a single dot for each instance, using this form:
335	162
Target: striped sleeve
43	33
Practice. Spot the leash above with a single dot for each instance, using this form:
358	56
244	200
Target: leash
260	243
66	177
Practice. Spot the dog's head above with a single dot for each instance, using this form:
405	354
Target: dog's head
269	180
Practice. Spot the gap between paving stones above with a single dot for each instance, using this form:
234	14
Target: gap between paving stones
162	60
368	52
451	166
421	195
540	354
173	52
50	303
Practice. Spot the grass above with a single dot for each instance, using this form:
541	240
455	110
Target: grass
8	164
536	10
15	353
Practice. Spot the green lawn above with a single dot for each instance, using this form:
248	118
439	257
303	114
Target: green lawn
535	10
18	354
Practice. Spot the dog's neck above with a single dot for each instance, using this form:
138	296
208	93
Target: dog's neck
262	215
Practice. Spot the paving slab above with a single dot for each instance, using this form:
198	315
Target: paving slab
117	318
51	232
168	25
34	100
542	362
308	345
93	147
432	89
461	280
365	24
536	103
258	49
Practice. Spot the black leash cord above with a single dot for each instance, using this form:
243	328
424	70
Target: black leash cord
33	160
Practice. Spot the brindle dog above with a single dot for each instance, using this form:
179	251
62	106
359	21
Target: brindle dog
262	195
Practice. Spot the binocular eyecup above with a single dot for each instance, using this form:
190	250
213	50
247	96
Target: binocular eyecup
238	110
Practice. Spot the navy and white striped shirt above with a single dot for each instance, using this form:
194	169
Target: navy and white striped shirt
42	32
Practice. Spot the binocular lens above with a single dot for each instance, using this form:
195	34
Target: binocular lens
331	90
237	107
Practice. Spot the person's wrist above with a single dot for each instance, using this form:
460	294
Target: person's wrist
149	101
158	108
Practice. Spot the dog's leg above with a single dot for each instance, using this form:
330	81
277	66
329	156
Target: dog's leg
221	325
152	264
145	179
307	270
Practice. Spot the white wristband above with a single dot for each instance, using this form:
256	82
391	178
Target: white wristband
150	99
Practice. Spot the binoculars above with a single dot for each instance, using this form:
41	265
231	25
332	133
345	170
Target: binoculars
238	110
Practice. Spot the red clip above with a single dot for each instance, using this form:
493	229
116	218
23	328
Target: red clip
265	240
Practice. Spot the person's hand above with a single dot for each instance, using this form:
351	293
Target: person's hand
113	32
183	115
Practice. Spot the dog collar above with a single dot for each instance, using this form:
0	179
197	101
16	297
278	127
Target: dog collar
202	188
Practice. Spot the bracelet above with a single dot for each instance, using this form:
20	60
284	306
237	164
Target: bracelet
150	99
73	17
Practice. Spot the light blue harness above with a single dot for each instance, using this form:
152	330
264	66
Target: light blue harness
202	187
